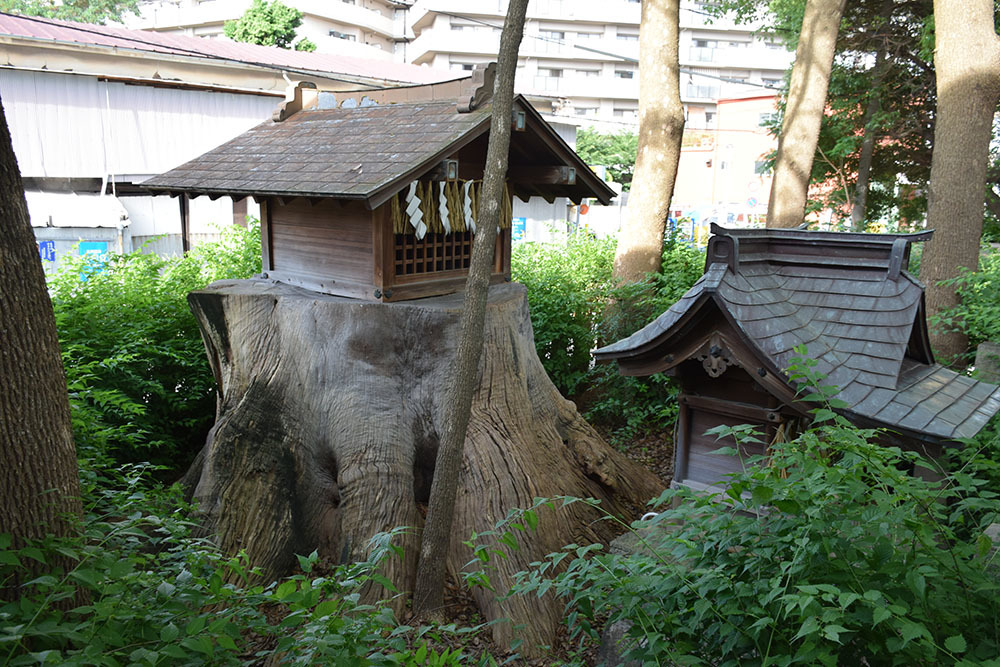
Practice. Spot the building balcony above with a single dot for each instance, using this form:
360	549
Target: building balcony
581	87
465	42
165	15
744	58
592	11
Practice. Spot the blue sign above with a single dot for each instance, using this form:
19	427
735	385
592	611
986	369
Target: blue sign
47	249
98	248
517	229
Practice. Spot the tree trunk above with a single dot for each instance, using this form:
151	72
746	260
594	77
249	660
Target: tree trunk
967	62
661	128
39	481
330	415
428	593
804	112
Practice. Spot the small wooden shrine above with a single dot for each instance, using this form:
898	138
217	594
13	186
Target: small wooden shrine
849	299
374	195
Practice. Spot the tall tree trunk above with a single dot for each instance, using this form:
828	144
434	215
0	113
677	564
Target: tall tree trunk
39	481
804	112
967	62
661	129
436	540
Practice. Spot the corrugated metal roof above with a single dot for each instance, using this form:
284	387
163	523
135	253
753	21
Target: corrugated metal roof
858	320
215	49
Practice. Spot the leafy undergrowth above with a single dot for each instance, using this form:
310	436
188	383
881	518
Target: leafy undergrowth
140	385
577	305
832	551
155	595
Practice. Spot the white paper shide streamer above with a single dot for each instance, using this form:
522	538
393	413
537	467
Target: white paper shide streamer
443	208
470	223
413	211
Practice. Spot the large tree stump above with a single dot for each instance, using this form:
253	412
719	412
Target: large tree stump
329	415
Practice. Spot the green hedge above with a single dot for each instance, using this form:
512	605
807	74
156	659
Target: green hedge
577	306
140	385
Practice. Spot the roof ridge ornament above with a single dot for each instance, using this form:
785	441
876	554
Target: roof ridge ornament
294	103
479	88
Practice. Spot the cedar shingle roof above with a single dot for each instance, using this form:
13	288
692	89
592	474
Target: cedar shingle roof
366	153
846	298
345	153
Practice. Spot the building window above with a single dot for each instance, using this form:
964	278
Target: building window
344	36
589	35
548	79
703	50
628	114
628	36
710	119
585	111
702	92
624	74
587	73
774	83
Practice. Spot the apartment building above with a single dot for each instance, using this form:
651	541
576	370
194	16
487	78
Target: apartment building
372	29
578	60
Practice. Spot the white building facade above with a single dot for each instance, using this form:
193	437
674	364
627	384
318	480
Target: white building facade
578	59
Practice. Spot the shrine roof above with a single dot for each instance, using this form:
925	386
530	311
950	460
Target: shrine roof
368	153
849	300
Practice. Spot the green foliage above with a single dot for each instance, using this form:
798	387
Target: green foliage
144	591
568	287
140	386
85	11
268	24
305	44
829	553
576	305
978	311
617	152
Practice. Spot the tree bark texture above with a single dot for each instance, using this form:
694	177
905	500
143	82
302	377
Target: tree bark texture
428	593
804	112
331	411
967	63
39	481
661	128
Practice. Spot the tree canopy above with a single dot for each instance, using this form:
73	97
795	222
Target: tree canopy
269	24
615	151
85	11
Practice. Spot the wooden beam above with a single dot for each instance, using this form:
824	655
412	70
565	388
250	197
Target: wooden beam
240	212
527	174
185	223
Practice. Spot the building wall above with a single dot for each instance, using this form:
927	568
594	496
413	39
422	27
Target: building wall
720	174
99	132
358	28
596	84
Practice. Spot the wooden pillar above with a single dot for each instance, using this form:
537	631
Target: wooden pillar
240	212
185	223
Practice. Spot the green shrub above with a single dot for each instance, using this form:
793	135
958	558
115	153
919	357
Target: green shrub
576	306
140	385
978	311
827	553
152	594
568	285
